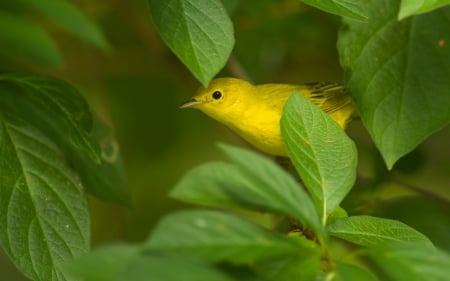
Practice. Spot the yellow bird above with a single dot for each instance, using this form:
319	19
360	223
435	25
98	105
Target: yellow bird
254	111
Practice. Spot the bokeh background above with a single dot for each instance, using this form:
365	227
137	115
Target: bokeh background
137	88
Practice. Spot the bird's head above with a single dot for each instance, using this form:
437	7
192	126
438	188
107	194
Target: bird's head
224	98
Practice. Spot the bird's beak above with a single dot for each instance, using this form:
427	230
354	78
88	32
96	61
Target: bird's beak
190	103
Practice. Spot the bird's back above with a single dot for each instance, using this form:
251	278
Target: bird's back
332	98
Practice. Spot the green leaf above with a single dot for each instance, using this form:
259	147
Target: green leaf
68	16
344	8
267	185
53	106
127	262
384	59
103	264
217	236
107	180
431	220
211	185
414	7
324	156
24	39
412	262
367	231
58	110
351	272
199	32
170	269
44	217
253	182
292	268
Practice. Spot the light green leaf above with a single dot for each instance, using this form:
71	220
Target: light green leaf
412	262
129	263
292	268
162	268
199	32
24	39
217	236
266	184
345	272
367	231
103	264
209	185
384	59
44	217
344	8
68	16
324	156
251	181
414	7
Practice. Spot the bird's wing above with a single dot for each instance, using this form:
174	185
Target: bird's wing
330	97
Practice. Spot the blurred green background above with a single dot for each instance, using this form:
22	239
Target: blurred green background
138	85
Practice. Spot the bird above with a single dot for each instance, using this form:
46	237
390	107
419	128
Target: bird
254	111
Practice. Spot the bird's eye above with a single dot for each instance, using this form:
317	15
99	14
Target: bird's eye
217	95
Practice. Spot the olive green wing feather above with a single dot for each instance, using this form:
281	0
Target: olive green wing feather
330	97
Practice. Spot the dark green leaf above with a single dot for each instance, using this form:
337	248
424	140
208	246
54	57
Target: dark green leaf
57	109
345	8
69	17
24	39
367	230
252	181
412	262
53	106
324	156
44	217
217	236
107	180
399	102
414	7
199	32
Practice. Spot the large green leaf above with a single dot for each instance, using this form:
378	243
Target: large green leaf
411	261
44	217
170	269
345	8
397	73
105	180
105	263
251	181
413	7
128	263
58	110
367	230
345	272
208	185
217	236
68	16
199	32
23	39
322	153
53	106
291	268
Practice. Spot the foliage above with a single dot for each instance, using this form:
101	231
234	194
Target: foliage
54	151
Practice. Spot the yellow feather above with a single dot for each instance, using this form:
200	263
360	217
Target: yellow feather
254	111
